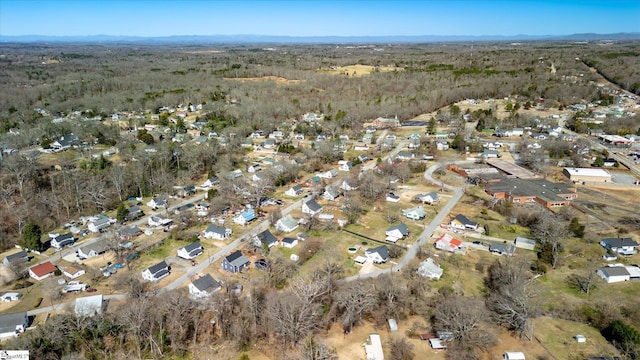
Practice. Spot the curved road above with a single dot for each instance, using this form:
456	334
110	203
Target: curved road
426	234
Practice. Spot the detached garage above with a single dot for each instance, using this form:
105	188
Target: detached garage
612	274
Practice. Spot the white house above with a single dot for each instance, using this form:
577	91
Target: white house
289	242
99	224
416	213
448	243
158	201
286	224
210	182
244	217
347	166
378	255
91	250
217	232
42	271
330	193
191	251
311	207
157	220
622	246
430	269
89	305
431	198
60	241
349	185
295	190
329	174
397	232
373	350
72	272
204	286
461	222
391	197
13	324
156	272
265	238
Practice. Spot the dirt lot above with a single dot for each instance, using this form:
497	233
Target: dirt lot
277	79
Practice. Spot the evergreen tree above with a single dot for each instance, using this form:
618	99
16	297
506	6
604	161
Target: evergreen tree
31	237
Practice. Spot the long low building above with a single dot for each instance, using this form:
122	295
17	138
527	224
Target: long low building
546	193
577	175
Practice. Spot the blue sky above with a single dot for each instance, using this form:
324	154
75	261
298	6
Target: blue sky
317	17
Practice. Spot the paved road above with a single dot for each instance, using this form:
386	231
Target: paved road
144	220
426	233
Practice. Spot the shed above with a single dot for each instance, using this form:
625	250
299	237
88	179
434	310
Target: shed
580	338
393	325
513	355
437	344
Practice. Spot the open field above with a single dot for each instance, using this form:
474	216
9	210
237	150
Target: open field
359	70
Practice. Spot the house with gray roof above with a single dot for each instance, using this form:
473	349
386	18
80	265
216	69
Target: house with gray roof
378	255
311	207
505	248
156	272
217	232
430	269
13	324
204	286
266	238
191	251
20	256
416	213
235	262
91	250
622	246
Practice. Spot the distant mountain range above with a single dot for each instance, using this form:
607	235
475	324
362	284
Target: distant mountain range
274	39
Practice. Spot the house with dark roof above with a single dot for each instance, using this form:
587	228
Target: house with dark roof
612	274
204	286
311	207
498	248
20	256
622	246
235	262
60	241
217	232
91	250
431	198
42	271
416	213
191	251
461	222
330	193
289	242
378	255
397	232
128	233
156	272
65	142
265	238
158	201
13	324
295	190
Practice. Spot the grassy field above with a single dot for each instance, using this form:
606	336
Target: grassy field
359	70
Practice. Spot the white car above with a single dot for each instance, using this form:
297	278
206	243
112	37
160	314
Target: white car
609	257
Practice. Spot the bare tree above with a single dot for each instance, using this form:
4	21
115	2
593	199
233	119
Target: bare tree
354	301
464	318
312	349
512	296
585	280
550	234
401	349
292	318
